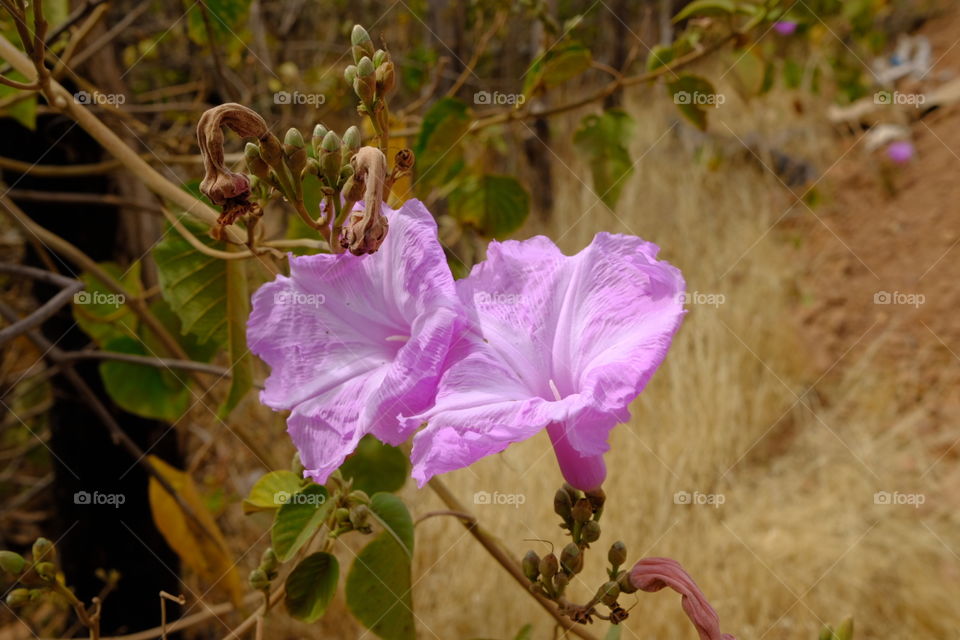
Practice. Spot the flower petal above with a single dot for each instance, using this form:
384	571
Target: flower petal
567	342
353	341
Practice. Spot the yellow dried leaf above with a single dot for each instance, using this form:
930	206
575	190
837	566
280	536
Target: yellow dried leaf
206	554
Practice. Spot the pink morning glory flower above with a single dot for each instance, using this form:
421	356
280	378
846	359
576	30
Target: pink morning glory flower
785	27
354	341
653	574
562	343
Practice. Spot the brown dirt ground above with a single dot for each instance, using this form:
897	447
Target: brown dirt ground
864	240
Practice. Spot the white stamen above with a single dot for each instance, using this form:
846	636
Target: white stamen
397	338
556	392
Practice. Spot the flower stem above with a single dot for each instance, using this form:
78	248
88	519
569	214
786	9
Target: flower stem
488	542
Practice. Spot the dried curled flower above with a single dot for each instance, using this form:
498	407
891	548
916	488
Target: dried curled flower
224	187
365	230
653	574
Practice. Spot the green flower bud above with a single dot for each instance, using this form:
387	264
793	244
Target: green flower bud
259	580
562	504
255	164
350	74
531	565
360	42
826	633
365	68
271	153
330	142
293	138
18	597
358	497
43	548
582	511
608	593
341	515
351	139
268	560
549	565
293	152
11	562
617	554
330	158
571	558
590	531
379	57
46	571
319	133
365	84
386	79
623	581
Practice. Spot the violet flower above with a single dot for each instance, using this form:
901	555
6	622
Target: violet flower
562	343
900	152
653	574
353	341
785	27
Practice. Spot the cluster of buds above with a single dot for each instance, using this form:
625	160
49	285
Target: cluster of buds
263	575
352	510
348	172
580	513
373	78
580	516
37	579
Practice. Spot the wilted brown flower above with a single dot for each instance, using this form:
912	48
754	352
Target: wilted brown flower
224	187
365	230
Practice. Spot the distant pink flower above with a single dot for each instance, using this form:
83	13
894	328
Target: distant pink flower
562	343
353	341
653	574
785	27
900	152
